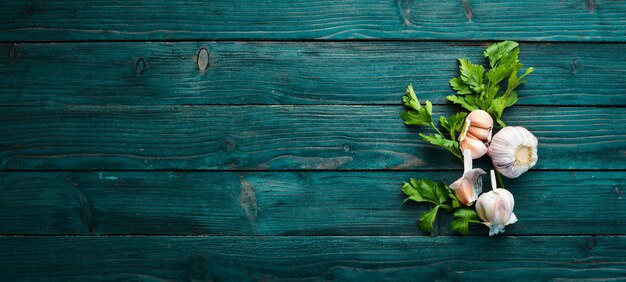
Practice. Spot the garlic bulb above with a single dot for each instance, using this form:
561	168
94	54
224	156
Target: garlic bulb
513	151
495	208
476	133
470	185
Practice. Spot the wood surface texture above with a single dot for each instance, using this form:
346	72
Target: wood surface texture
157	258
285	203
536	20
146	73
260	140
280	138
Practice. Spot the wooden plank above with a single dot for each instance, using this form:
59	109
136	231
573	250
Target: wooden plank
286	203
279	138
292	73
311	258
537	20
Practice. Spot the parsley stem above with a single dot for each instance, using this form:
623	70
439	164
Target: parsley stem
437	129
451	150
499	177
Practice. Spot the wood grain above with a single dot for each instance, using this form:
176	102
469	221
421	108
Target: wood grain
158	258
279	138
536	20
287	203
147	73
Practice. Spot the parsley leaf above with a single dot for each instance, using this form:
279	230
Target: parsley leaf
418	115
423	116
505	52
427	191
462	218
472	75
439	140
460	86
427	219
477	89
453	123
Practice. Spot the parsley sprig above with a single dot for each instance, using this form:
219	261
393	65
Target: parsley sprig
477	89
442	197
423	116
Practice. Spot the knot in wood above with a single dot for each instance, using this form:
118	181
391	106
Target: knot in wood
198	269
203	59
139	66
12	52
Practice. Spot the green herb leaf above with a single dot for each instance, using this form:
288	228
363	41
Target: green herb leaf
463	101
472	75
424	190
418	115
453	123
410	99
462	219
427	191
492	91
440	141
505	52
460	86
427	219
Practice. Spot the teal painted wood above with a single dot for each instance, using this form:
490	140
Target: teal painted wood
286	203
539	20
279	138
311	258
292	73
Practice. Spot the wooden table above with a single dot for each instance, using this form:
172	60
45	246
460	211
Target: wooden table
261	139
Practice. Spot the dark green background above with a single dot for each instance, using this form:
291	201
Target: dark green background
124	158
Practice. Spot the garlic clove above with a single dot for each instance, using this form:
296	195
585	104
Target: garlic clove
477	119
513	151
495	208
470	185
480	118
474	145
483	134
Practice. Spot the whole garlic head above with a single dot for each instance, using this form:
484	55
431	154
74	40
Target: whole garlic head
476	133
470	185
513	151
495	208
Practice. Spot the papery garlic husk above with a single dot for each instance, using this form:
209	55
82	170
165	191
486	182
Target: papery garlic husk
476	133
470	185
513	151
495	208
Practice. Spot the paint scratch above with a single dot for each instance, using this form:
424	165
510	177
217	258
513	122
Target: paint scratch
590	5
247	197
404	6
467	10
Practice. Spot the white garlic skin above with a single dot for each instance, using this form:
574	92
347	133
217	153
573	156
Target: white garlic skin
469	186
513	151
495	208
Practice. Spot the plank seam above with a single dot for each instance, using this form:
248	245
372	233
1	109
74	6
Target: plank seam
474	42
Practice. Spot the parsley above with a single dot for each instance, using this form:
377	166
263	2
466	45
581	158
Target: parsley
477	89
423	116
461	220
491	90
427	191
